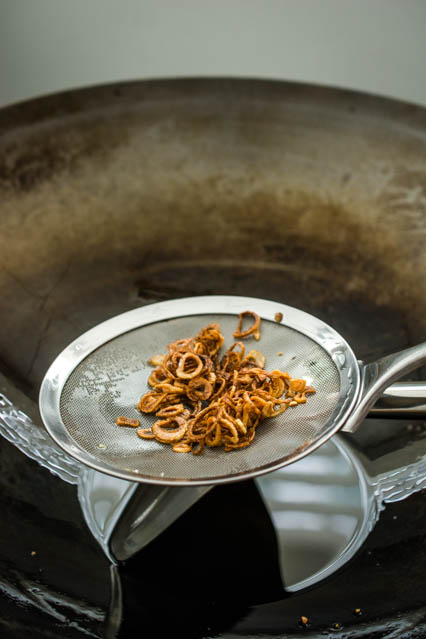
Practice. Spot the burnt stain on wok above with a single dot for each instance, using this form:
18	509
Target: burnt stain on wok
321	247
287	253
46	157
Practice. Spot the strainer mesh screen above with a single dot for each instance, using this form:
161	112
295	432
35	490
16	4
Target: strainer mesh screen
110	381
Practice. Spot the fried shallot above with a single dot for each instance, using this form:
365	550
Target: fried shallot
203	399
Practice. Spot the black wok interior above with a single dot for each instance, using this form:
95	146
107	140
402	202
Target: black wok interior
119	196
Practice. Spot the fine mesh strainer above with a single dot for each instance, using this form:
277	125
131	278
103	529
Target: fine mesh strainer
102	375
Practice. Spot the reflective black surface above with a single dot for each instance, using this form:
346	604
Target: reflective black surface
213	573
204	571
54	578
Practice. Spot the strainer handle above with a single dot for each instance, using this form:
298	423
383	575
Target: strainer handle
377	376
401	400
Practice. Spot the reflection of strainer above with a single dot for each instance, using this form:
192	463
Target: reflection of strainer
103	373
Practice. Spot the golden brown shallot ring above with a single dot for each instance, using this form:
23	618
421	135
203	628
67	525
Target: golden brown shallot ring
165	434
157	376
190	365
252	330
214	438
300	398
149	402
199	388
240	346
241	444
145	433
198	447
211	337
127	421
297	385
219	387
233	437
181	447
171	411
254	357
240	426
180	344
170	388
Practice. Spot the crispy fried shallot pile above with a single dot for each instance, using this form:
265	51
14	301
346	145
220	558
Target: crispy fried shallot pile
202	399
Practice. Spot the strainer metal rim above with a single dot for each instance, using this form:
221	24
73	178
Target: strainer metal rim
317	330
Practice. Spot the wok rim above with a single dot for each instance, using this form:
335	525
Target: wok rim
64	102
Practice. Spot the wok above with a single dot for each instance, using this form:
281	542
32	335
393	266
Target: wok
118	196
